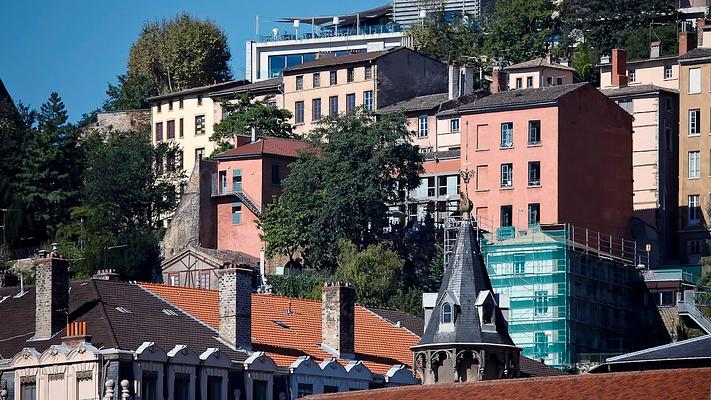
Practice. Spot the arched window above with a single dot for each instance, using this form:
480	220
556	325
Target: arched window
446	313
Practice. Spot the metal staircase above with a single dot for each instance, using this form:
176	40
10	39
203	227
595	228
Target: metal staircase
687	309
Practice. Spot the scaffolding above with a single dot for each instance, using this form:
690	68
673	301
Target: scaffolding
569	288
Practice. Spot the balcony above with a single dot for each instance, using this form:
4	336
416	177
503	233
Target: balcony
332	32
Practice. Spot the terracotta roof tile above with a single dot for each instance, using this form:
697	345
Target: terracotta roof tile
681	384
269	146
285	335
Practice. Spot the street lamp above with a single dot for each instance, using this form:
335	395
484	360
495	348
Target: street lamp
467	174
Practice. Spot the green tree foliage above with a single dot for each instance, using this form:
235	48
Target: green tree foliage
283	222
127	187
13	134
607	24
171	55
340	189
49	182
583	62
450	40
246	113
520	30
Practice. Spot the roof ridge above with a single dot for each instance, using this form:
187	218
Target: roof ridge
390	323
621	357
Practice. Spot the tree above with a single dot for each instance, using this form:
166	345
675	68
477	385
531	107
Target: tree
247	113
281	222
583	62
171	55
341	188
520	30
450	40
49	184
126	191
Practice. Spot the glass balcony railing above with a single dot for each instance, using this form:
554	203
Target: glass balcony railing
333	32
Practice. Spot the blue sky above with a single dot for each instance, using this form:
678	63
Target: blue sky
77	47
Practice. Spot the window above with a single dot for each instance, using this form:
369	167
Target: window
633	75
694	122
330	389
199	99
271	103
180	103
179	157
276	174
422	126
350	102
442	185
350	74
529	82
149	385
694	247
549	81
541	302
236	213
534	132
454	125
507	134
333	106
694	209
534	214
222	182
317	79
199	153
430	186
333	78
541	345
506	175
534	173
304	389
174	279
694	164
28	390
668	72
626	105
159	131
204	279
368	100
368	72
159	107
236	180
558	81
299	112
199	125
170	105
171	129
181	387
446	313
694	80
181	128
300	82
214	389
506	216
519	83
316	109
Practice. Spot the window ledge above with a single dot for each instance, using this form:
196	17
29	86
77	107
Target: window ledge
694	135
481	150
507	188
482	190
535	145
299	123
506	147
535	186
694	178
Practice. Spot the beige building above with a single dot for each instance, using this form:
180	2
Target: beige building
188	117
329	86
695	150
656	70
539	72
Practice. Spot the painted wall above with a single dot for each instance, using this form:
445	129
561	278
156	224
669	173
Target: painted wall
647	72
540	77
595	158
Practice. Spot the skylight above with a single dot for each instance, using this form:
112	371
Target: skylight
123	310
281	323
169	312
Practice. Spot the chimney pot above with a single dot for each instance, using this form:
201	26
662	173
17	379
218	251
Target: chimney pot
338	319
236	307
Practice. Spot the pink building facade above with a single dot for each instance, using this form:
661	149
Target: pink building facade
552	155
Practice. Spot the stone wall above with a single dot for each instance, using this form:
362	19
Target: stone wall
52	295
124	121
338	318
236	306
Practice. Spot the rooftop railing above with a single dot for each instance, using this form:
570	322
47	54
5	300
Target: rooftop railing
333	32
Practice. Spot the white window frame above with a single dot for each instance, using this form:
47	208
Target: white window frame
507	140
694	80
506	175
694	209
422	126
694	165
632	73
694	122
368	100
454	126
668	71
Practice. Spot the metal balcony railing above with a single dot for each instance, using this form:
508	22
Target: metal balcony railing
331	32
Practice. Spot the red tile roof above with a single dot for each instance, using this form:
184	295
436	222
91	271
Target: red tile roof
681	384
267	146
285	335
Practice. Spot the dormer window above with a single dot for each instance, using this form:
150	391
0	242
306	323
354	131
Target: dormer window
446	313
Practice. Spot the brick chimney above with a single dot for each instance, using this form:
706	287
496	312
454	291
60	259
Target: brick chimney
500	82
236	307
338	319
619	68
51	294
76	334
687	42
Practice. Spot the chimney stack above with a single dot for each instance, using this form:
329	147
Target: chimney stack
236	307
338	319
467	81
106	275
619	68
655	49
51	294
499	82
453	72
76	334
687	42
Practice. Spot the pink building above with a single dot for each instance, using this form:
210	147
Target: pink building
247	179
552	155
